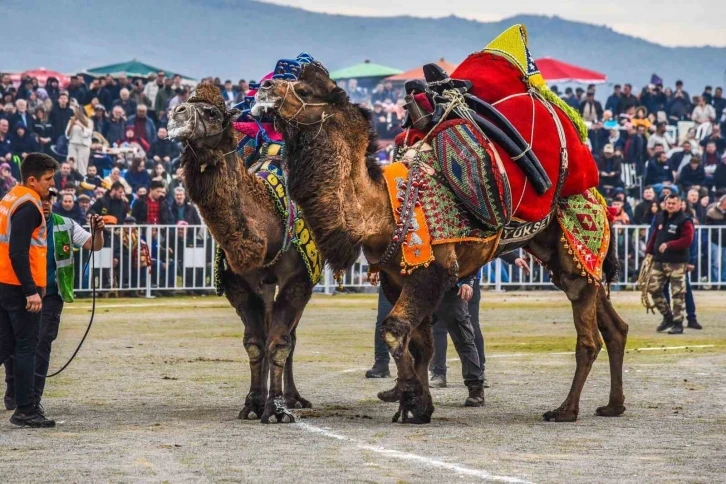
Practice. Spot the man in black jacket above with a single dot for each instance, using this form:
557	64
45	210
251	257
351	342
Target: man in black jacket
670	245
60	115
163	149
113	203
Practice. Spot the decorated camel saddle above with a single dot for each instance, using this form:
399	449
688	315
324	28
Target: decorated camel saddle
489	151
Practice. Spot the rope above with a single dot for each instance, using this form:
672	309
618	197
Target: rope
646	269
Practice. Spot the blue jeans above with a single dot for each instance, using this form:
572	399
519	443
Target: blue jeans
690	302
718	261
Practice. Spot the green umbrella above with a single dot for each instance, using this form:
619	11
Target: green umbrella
365	69
131	68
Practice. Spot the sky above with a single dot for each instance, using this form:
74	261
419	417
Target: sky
666	22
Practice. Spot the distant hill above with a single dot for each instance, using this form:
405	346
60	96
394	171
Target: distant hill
243	38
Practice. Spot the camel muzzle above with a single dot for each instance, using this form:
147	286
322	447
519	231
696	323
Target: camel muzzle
181	122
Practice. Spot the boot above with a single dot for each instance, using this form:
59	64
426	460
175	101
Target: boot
437	381
677	328
693	323
392	395
379	370
667	323
476	395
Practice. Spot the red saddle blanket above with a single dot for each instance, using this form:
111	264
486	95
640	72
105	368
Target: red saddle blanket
497	81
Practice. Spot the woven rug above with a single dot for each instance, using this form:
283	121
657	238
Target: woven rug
472	172
584	222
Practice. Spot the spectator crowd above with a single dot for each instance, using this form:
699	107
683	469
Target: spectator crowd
109	136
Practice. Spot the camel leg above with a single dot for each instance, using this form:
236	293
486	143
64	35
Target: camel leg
421	293
615	333
287	310
583	297
292	397
422	349
251	308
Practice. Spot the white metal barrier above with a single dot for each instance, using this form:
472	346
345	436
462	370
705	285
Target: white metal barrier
152	258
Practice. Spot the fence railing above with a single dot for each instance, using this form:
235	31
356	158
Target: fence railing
152	258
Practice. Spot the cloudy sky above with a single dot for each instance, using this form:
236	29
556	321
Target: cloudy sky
667	22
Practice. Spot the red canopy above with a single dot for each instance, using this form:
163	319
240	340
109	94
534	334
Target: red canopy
554	70
418	73
42	74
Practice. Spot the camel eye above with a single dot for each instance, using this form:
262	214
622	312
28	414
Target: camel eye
304	91
211	112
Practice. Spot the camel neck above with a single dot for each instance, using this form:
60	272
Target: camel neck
345	205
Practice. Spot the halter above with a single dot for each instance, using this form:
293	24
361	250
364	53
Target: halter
204	125
303	105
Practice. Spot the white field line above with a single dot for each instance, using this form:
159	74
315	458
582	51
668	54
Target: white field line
565	353
406	456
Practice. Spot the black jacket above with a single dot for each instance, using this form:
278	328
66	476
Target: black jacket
657	173
670	229
186	213
59	118
689	177
111	206
163	147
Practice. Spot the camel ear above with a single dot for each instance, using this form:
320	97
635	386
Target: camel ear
233	114
338	96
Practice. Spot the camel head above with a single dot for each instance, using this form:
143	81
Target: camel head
303	103
203	120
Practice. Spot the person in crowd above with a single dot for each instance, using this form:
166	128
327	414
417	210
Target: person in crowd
91	181
113	203
23	141
6	147
641	118
99	119
610	167
634	148
719	104
163	96
717	138
691	175
63	176
658	138
115	177
669	244
151	89
7	181
643	214
67	207
137	175
657	172
79	131
138	96
228	93
719	178
153	209
60	115
159	174
22	116
710	160
613	103
130	140
356	94
144	127
621	218
679	108
716	216
124	100
84	204
77	90
703	112
43	130
627	98
116	125
181	94
680	158
163	149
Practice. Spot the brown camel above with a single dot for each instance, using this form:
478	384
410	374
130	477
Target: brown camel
343	193
240	214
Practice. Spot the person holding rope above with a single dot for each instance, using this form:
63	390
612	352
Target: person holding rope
669	246
62	235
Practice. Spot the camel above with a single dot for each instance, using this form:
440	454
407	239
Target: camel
240	214
342	191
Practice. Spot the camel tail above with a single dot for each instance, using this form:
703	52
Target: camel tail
611	265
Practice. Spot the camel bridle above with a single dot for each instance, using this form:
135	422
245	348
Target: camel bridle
303	105
227	119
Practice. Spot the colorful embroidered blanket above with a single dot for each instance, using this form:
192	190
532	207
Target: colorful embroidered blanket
584	221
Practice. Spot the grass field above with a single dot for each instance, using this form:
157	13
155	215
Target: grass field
155	392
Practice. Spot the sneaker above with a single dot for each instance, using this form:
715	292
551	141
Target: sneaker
379	370
33	420
693	324
677	328
437	381
667	323
476	396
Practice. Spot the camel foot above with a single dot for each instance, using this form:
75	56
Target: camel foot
560	415
297	402
276	412
610	411
390	396
252	410
415	406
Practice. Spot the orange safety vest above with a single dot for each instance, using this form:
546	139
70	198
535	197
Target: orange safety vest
38	242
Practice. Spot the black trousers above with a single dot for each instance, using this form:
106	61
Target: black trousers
452	317
381	349
48	332
19	338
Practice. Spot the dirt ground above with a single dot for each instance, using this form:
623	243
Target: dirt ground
155	392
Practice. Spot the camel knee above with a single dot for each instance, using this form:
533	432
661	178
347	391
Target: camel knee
254	347
278	349
394	333
590	347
